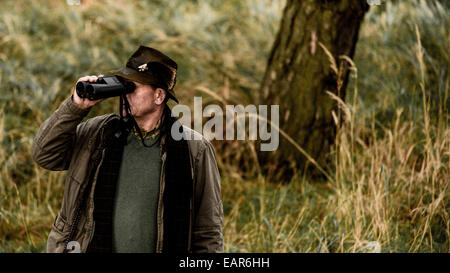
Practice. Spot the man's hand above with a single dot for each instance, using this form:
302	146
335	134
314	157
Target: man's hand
84	103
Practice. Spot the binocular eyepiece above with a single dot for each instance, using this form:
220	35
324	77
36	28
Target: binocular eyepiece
105	87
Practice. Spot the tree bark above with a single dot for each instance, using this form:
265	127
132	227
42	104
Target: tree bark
298	74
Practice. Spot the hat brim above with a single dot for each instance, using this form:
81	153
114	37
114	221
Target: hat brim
133	75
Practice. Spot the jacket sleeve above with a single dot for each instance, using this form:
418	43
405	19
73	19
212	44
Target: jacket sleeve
207	229
53	144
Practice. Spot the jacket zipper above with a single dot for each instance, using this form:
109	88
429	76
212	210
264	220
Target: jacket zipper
92	234
76	219
160	207
73	227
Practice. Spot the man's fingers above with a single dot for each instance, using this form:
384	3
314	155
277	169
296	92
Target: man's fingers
83	79
93	78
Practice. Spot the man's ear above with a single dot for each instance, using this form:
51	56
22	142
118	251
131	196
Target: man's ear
160	96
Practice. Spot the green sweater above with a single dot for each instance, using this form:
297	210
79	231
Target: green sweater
136	200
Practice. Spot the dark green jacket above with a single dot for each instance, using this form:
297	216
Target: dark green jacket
63	142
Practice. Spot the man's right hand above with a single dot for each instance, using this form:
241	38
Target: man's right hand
84	103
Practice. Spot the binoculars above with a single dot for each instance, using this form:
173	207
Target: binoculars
105	87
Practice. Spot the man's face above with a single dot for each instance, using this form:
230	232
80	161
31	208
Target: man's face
144	100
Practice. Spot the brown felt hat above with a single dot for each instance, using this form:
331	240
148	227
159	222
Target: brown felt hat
150	66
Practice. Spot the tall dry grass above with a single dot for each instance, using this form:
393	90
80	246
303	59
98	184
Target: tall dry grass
389	191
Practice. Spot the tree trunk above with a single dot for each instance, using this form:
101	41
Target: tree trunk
298	75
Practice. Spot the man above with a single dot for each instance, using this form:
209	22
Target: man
132	189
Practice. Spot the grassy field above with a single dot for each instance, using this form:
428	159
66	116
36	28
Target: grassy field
388	189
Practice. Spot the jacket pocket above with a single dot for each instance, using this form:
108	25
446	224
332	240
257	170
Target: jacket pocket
58	235
59	223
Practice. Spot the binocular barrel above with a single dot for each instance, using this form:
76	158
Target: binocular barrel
105	87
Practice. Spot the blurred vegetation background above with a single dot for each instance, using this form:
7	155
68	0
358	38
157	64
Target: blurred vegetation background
389	185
